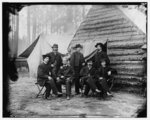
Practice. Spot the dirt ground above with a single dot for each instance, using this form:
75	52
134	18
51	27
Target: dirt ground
24	104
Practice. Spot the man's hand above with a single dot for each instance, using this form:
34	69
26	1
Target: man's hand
49	77
109	72
50	73
62	76
52	65
58	79
100	78
83	64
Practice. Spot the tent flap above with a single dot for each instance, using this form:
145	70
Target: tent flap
29	50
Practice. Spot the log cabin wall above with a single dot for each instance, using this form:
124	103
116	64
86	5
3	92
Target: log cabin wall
125	40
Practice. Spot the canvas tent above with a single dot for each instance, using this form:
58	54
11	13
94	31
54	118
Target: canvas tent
125	30
35	51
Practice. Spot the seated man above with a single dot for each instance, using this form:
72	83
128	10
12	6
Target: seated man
44	78
87	74
103	74
64	76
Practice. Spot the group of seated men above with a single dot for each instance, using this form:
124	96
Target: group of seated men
89	77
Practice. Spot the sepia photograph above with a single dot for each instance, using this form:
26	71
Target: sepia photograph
74	60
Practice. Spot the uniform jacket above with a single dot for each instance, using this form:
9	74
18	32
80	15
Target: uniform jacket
103	72
43	73
55	59
65	71
99	56
76	59
85	71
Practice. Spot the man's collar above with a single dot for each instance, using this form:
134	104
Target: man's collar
44	63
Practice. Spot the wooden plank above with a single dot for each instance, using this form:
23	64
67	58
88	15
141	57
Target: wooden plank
126	58
120	52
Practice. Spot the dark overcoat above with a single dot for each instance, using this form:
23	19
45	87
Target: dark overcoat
43	73
98	57
103	72
55	59
85	71
66	71
76	60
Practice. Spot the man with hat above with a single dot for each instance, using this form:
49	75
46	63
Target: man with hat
44	77
100	54
55	63
88	78
77	61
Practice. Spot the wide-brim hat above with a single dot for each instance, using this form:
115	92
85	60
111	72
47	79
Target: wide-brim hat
55	46
78	46
99	44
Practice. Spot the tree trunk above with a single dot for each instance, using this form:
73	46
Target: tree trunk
34	29
16	37
28	25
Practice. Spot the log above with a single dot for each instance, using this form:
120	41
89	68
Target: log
103	12
126	58
120	52
126	82
108	32
139	73
101	7
99	18
91	20
138	37
128	71
127	62
99	25
130	78
109	37
105	23
105	28
106	35
128	44
128	66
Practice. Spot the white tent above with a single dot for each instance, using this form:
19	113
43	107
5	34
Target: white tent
42	47
34	53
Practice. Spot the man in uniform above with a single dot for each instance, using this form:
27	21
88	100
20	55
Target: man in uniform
55	63
65	75
77	61
88	78
44	77
100	54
